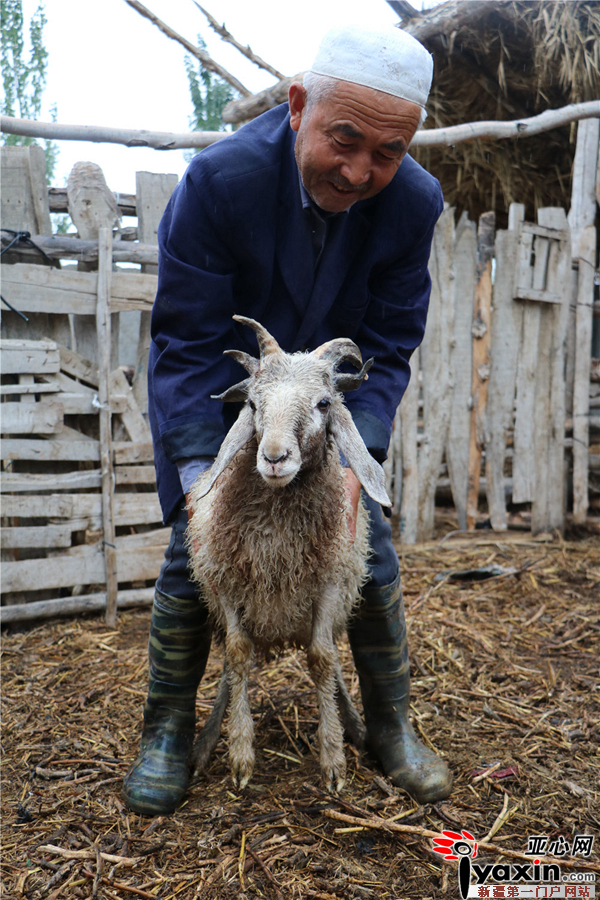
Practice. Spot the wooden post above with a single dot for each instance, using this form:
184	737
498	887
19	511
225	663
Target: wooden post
548	508
457	447
104	359
581	386
507	320
435	366
482	335
152	193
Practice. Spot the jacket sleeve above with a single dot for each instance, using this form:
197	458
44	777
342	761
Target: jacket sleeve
191	319
391	330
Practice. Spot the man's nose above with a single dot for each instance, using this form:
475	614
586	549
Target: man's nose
357	171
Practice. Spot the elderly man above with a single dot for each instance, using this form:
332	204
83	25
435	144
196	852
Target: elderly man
314	221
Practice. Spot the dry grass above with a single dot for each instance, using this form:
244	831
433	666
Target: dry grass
505	674
518	59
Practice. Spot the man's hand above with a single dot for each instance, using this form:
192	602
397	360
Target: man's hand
352	486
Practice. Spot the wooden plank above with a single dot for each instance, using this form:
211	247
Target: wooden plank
435	361
45	417
133	420
24	190
70	246
152	195
80	404
68	606
548	508
538	296
15	482
28	357
135	475
22	448
86	568
409	408
482	311
457	446
583	190
524	462
129	509
581	387
37	387
557	234
103	326
126	452
36	289
36	536
507	320
74	364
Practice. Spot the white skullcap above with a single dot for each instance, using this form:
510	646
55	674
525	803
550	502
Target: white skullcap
386	59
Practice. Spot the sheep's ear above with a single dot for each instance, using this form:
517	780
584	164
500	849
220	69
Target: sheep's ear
237	393
239	434
367	470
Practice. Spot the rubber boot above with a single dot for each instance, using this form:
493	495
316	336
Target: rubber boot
178	650
378	640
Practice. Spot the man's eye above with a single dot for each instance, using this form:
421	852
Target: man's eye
323	404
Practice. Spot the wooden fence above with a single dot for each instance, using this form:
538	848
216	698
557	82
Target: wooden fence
501	386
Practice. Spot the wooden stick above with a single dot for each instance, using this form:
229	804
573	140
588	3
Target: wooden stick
482	314
245	51
163	140
387	825
106	463
207	61
581	385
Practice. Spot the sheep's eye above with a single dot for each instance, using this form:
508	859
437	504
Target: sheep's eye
252	405
324	404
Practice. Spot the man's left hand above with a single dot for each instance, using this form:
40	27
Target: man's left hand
352	486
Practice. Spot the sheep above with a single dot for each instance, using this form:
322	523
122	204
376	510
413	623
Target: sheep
269	537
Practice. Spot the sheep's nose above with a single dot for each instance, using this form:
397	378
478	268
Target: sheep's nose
279	459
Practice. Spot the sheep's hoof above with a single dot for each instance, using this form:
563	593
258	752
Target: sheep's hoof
334	777
241	772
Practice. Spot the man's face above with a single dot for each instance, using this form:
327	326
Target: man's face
351	143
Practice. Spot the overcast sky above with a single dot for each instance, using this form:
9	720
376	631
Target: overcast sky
109	66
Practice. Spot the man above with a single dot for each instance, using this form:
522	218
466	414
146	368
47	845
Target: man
315	222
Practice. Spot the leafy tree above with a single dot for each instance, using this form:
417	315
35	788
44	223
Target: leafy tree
24	80
210	94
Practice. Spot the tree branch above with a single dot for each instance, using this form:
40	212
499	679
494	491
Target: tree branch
245	51
207	61
433	137
249	107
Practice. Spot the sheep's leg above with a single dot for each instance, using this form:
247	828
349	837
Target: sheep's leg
351	720
209	736
322	658
239	650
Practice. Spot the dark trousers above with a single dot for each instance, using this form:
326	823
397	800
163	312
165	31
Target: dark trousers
174	578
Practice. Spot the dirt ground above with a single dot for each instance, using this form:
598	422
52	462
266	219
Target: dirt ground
505	681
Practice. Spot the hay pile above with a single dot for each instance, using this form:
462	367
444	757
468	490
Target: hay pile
508	59
505	682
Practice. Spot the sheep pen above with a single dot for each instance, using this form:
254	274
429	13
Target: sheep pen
505	673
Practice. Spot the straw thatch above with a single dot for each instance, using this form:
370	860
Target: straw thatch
507	59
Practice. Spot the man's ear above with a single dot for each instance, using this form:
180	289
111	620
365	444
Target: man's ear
297	101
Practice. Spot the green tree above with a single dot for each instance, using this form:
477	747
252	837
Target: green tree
210	94
24	79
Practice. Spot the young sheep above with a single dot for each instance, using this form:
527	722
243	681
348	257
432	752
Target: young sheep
269	539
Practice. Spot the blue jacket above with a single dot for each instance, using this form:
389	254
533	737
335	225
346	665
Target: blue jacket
235	238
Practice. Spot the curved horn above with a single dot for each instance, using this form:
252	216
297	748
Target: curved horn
250	364
266	342
338	351
346	382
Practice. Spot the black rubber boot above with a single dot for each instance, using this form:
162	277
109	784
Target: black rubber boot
178	650
378	639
